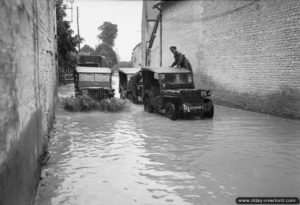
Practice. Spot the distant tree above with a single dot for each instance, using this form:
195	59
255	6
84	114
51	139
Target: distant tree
87	49
105	50
66	43
125	64
108	33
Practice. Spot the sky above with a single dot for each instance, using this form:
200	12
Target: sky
92	13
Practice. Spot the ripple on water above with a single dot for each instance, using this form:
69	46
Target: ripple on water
140	158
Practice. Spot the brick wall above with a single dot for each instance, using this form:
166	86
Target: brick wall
27	93
247	52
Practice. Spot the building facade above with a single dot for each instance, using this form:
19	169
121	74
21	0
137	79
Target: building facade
28	91
149	18
246	52
136	57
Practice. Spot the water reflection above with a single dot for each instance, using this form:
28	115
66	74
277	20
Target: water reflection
141	158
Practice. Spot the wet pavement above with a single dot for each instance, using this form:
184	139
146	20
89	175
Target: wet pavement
140	158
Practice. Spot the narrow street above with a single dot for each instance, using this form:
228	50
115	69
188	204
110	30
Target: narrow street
140	158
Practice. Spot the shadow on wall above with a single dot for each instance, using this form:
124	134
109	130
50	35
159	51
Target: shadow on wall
283	103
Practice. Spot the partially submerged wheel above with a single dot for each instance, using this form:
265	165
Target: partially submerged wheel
210	113
171	111
147	106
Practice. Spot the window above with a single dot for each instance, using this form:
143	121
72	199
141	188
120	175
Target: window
168	78
101	78
185	78
176	78
94	77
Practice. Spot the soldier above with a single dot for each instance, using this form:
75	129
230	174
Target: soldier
180	60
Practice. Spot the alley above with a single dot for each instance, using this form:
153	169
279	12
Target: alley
140	158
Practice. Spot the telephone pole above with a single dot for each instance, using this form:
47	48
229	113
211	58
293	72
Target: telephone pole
78	27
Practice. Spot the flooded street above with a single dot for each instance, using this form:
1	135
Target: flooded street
140	158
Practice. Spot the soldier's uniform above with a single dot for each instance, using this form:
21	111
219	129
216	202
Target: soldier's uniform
181	61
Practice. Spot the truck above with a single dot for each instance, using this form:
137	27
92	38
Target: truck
92	78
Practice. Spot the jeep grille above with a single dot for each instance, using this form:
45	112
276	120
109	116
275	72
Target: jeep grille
97	94
191	95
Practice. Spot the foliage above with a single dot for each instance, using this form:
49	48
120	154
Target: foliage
87	49
66	43
105	50
108	33
87	104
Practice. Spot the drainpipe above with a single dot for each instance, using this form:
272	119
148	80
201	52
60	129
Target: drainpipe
147	53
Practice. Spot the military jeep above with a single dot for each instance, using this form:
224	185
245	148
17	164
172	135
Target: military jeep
127	85
171	91
135	88
94	82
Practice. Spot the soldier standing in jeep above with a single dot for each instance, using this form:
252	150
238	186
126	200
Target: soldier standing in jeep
180	60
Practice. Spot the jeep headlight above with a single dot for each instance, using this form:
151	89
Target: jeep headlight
186	108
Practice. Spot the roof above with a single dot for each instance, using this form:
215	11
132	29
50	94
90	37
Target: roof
129	70
166	70
137	45
81	69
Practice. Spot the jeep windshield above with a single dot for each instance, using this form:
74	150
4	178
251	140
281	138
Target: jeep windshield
175	78
94	77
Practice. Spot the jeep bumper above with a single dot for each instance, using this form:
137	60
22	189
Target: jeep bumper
195	109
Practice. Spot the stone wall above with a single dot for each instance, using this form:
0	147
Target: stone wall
27	93
246	52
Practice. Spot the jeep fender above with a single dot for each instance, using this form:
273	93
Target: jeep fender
175	100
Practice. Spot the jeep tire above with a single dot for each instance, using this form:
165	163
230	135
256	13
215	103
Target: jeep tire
210	113
171	111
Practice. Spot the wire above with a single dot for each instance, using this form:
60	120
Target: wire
212	16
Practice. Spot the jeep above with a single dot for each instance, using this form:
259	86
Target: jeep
127	88
135	88
171	91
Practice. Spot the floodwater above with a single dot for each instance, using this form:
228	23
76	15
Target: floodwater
140	158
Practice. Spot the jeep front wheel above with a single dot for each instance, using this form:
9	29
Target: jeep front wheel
147	106
210	113
171	111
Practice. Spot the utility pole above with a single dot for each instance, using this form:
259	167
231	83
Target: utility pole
160	18
78	28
